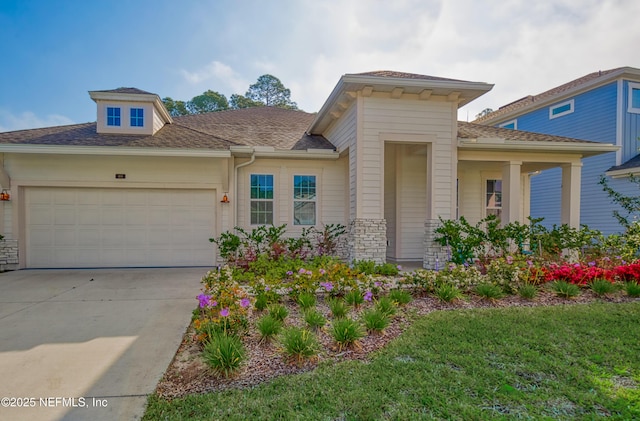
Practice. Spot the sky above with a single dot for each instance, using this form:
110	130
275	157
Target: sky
53	52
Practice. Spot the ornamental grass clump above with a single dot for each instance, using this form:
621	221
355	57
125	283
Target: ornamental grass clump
489	291
447	293
278	312
268	327
602	287
374	320
346	332
386	306
400	297
564	289
354	298
261	302
314	319
224	353
338	307
528	291
299	344
306	300
632	289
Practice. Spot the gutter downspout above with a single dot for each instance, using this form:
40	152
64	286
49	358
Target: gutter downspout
235	185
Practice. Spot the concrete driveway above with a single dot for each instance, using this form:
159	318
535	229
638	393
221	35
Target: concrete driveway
89	344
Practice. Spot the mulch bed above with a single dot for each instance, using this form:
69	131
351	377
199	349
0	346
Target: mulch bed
188	374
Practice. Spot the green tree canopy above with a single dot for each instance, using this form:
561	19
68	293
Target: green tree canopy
207	102
175	108
240	101
271	92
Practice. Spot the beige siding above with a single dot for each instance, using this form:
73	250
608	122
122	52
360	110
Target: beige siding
412	198
343	131
158	123
390	197
125	127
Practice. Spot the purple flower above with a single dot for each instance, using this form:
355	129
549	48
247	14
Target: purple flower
245	302
302	271
268	288
592	264
224	312
368	295
308	273
213	303
322	271
530	263
399	267
204	300
289	273
328	286
509	259
377	284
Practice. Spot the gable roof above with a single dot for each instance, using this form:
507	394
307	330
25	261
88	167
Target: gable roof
545	98
134	91
402	75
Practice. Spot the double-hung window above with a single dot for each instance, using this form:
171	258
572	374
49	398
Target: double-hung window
261	199
494	197
113	116
304	200
634	98
137	117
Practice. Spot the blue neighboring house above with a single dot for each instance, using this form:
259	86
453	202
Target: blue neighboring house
603	106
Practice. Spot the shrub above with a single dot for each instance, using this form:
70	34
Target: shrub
564	289
314	319
528	291
261	302
400	297
489	291
346	332
268	327
224	353
338	307
368	267
278	312
602	287
374	320
632	288
299	343
386	306
447	293
306	300
354	298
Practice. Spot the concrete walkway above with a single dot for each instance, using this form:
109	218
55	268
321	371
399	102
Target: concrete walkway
89	344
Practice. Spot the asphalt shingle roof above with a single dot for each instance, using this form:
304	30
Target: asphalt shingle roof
630	164
402	75
127	91
474	131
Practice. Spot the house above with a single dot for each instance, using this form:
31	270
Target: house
384	156
603	106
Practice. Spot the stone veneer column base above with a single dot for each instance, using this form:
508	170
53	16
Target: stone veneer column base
435	255
8	255
367	240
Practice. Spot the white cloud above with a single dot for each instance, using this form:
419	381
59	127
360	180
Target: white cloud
216	72
29	120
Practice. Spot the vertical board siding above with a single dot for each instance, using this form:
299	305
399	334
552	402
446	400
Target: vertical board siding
390	198
412	197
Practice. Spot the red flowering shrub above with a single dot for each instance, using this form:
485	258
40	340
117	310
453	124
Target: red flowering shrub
578	273
630	272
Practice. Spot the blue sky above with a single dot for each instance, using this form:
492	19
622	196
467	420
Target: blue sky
53	52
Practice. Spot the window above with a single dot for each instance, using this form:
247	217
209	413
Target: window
513	125
561	109
494	197
261	199
113	116
634	98
137	117
304	200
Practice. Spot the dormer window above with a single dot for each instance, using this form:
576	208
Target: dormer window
137	117
113	116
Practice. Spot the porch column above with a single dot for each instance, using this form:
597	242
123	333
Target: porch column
570	203
511	192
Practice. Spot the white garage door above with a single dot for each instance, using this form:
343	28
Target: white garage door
87	227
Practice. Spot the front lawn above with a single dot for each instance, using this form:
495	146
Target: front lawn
555	362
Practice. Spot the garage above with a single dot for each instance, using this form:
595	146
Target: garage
113	227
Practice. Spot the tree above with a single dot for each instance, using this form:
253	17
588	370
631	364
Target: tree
271	92
207	102
630	204
484	112
175	108
240	101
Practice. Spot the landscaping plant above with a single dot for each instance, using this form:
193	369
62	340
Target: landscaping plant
375	320
386	306
489	291
224	353
314	319
338	307
400	297
602	287
306	300
565	289
346	332
447	293
528	291
268	327
632	288
278	312
354	298
299	344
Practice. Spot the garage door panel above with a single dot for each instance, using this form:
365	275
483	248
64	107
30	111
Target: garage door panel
78	227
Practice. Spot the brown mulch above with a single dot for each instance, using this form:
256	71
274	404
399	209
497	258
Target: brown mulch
188	373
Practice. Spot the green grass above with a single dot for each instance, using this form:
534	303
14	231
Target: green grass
558	362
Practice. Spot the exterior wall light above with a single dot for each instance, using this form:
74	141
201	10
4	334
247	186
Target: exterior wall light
5	195
225	199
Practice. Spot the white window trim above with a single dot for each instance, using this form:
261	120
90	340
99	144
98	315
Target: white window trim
273	201
106	115
571	103
486	176
630	107
293	200
506	123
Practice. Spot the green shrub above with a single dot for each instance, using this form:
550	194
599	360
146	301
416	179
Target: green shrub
299	343
489	291
338	307
374	320
387	269
354	298
528	291
224	353
447	293
314	319
278	311
261	302
306	300
268	327
367	267
564	289
602	287
400	297
386	306
346	332
632	289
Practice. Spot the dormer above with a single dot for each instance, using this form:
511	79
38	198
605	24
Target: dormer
129	111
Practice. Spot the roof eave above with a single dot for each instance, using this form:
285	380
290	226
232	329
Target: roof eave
584	149
112	150
623	173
